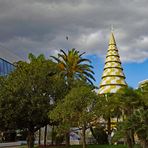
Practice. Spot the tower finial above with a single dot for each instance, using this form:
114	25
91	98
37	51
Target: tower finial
112	28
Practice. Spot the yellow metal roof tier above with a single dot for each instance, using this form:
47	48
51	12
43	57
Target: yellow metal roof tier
112	58
112	53
116	80
113	72
109	89
112	64
112	47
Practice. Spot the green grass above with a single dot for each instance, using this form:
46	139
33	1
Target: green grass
88	146
91	146
100	146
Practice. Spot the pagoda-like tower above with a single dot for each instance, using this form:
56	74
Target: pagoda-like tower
113	77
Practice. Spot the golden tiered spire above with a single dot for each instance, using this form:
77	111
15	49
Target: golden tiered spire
113	77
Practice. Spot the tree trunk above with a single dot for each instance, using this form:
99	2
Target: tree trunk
67	138
144	143
92	132
84	136
129	139
39	142
132	137
30	138
45	136
109	129
52	135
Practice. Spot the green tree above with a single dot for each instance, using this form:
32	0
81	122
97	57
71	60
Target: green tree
136	115
107	107
139	123
129	100
78	109
139	120
29	94
2	91
99	133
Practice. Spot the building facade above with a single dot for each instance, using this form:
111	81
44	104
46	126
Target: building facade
7	58
5	67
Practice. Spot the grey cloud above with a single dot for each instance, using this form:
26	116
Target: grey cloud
41	26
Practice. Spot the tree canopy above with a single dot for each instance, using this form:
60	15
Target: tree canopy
78	108
30	92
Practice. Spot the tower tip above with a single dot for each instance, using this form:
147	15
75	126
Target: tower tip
112	28
112	39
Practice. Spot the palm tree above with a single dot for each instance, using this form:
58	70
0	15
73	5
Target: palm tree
32	57
74	67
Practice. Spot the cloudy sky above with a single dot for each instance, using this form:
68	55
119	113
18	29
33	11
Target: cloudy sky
41	26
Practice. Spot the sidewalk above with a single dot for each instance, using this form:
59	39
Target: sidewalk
10	144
